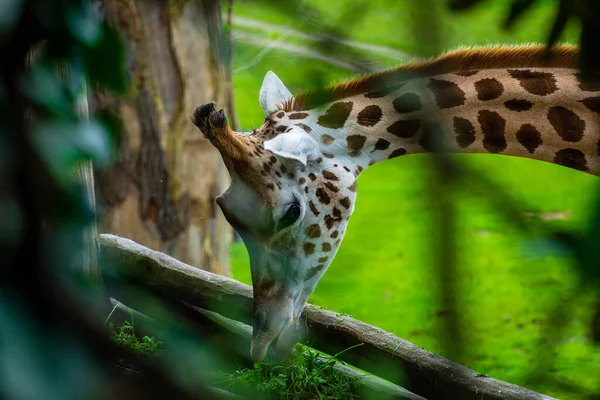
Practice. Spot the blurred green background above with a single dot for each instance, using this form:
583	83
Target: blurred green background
383	273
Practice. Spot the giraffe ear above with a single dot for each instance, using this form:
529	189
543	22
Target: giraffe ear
272	93
293	145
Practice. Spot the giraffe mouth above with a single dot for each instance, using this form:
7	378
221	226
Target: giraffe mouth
261	345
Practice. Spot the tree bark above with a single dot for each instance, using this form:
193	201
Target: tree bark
161	190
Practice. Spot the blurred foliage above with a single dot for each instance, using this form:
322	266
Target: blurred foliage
585	12
52	340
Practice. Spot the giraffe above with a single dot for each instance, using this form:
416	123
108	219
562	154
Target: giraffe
293	180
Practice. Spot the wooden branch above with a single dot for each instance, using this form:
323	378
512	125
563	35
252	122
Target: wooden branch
377	351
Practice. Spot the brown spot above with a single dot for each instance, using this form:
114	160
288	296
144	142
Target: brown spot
397	153
588	85
518	105
306	189
151	213
407	102
330	221
345	202
566	123
337	213
327	139
309	248
465	132
313	231
592	103
334	234
313	208
312	176
314	271
488	89
326	247
492	125
281	128
447	94
335	117
330	175
529	137
280	114
331	187
571	158
382	92
323	259
322	196
405	128
369	116
352	187
307	128
302	181
271	186
356	142
298	115
466	73
319	160
328	155
381	144
535	82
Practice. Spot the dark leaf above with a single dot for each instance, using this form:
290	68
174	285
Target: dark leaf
112	122
560	22
84	24
517	8
105	61
41	85
590	49
459	5
9	13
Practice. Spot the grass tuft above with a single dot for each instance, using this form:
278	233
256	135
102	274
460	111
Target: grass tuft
309	375
148	346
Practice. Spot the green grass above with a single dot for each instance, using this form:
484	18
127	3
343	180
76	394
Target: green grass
384	272
306	376
125	336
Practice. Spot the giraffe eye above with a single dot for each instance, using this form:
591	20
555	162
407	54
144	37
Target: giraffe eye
291	215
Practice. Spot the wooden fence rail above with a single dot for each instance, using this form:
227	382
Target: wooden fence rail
377	351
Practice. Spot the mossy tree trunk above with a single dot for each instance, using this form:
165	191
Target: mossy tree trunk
161	190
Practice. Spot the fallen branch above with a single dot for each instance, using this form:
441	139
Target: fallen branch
381	353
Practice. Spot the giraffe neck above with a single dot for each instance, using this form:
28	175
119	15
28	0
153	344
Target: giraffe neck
546	114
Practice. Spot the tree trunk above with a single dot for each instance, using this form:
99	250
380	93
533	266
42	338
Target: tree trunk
161	190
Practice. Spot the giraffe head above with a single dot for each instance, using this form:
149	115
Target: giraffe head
290	199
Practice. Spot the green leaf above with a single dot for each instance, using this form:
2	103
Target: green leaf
84	24
9	14
105	61
517	8
63	144
41	85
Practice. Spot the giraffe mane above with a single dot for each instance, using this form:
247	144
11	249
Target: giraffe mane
457	60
